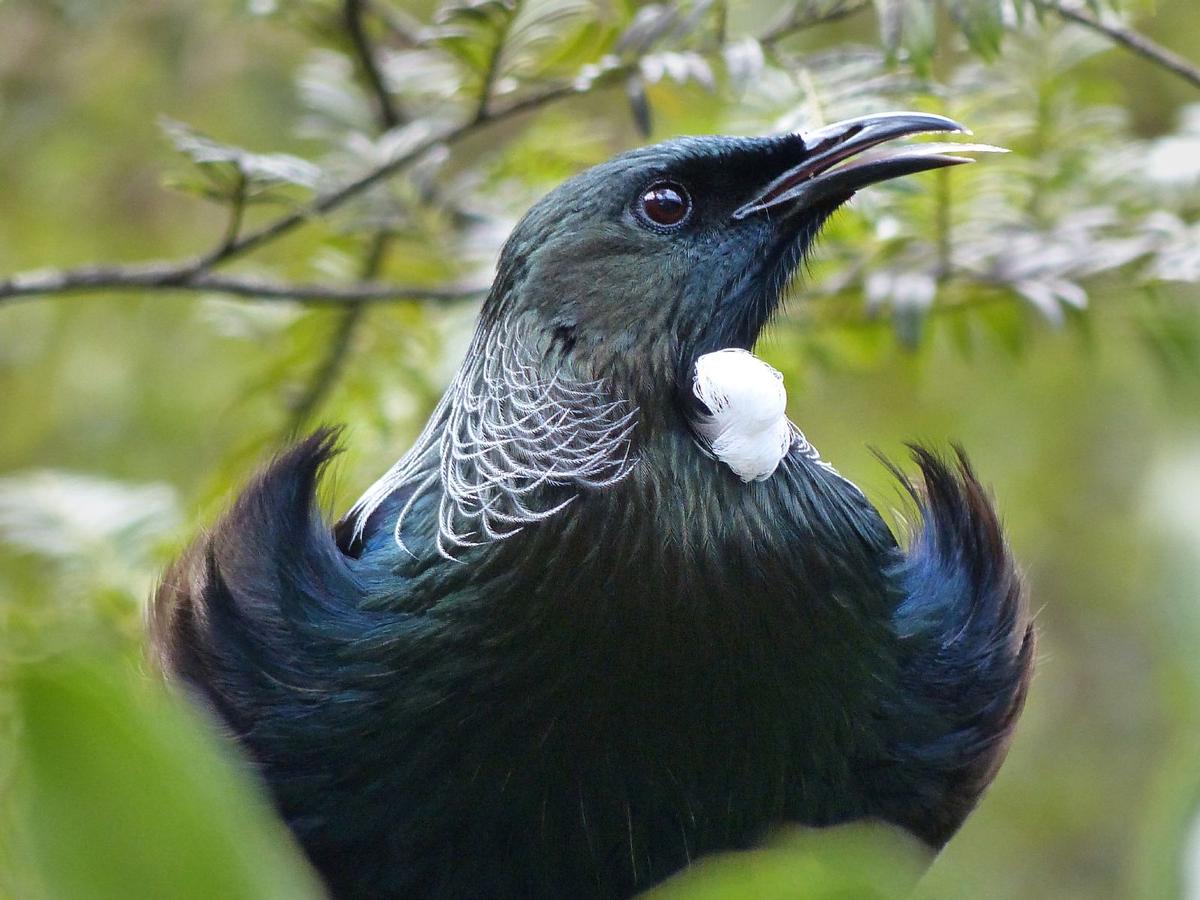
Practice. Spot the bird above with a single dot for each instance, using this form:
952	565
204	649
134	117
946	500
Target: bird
613	611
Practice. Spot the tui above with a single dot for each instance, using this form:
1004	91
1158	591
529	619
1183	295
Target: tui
613	611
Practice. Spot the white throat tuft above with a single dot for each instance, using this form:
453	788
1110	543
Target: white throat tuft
747	427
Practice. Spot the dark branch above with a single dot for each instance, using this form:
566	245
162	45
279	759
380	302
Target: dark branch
386	109
341	343
337	351
326	203
237	213
802	18
328	370
1128	38
171	276
488	83
192	274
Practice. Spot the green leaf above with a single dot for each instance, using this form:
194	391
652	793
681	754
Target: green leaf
503	44
911	26
865	862
584	44
982	23
122	793
472	32
261	169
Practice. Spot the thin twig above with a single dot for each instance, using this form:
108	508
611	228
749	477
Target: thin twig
721	32
327	372
387	111
801	18
169	276
337	352
192	274
326	203
341	343
1128	38
237	213
488	83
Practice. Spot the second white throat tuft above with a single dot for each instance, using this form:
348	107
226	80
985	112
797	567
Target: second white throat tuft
747	427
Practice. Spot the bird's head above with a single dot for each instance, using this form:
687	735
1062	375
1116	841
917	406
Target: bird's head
609	295
633	269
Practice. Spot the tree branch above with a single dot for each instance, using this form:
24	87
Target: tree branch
170	276
341	343
387	111
237	214
1128	38
800	19
488	83
195	275
326	203
337	352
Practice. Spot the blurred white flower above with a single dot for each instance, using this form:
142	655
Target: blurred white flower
1175	159
94	530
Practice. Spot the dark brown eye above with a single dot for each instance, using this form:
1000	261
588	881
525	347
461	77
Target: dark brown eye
665	204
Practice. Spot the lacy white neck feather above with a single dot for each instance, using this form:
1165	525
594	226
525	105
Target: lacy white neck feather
500	439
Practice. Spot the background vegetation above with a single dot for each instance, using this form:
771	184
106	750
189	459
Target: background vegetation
1042	308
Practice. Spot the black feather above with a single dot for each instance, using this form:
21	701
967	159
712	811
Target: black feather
646	670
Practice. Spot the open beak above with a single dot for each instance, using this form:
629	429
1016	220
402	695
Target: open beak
841	158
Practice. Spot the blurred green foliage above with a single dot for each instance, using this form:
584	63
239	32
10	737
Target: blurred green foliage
861	861
1041	308
125	795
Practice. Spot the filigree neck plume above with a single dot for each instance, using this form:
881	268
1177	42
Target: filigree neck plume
508	445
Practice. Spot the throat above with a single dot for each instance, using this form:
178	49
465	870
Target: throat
743	421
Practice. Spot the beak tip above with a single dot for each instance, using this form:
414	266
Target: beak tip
954	126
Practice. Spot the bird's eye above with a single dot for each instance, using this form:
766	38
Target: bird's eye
665	204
